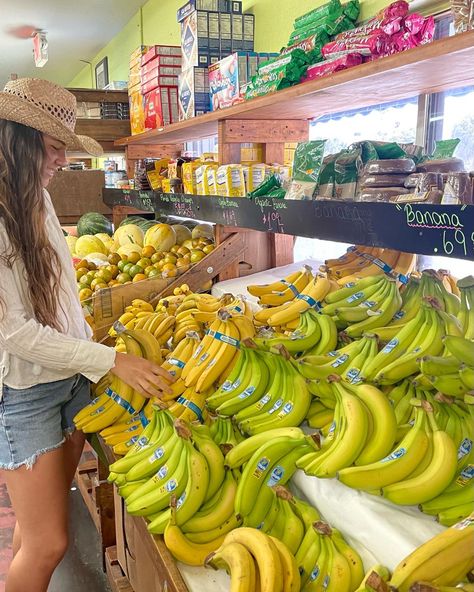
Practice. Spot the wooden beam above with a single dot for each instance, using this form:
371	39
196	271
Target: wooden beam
92	95
227	153
262	130
281	249
274	153
153	151
103	129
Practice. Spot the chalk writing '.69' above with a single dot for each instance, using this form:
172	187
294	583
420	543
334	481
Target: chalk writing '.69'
459	238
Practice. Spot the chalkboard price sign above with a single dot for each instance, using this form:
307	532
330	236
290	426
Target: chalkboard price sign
429	229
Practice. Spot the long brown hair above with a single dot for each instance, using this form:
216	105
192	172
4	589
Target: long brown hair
23	212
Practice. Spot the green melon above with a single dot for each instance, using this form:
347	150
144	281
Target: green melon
93	223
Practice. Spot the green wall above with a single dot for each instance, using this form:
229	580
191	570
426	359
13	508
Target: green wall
273	24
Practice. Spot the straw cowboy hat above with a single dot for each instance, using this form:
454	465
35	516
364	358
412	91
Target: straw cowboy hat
46	107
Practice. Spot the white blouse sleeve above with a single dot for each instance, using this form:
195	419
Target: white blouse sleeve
35	343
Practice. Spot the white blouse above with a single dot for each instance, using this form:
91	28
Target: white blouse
31	353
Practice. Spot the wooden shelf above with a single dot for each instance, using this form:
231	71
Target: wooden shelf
441	65
419	228
93	95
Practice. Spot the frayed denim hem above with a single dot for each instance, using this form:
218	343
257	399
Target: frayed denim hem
29	462
68	432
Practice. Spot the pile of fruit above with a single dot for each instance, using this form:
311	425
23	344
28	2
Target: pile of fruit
376	358
132	253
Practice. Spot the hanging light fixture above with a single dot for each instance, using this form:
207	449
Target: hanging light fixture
40	48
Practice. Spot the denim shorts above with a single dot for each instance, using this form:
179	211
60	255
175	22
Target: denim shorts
38	419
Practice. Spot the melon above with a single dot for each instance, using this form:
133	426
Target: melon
96	257
129	248
161	236
128	234
71	243
89	244
203	231
92	223
182	233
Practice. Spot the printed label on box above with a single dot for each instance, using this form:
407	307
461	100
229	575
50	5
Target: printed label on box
225	32
213	31
249	31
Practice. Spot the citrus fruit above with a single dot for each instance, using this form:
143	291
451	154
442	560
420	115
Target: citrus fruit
122	278
148	251
134	270
85	294
139	277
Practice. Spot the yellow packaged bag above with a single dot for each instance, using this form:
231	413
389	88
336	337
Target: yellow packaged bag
202	180
230	180
188	173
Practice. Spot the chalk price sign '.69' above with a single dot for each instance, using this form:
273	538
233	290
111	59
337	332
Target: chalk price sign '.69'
452	225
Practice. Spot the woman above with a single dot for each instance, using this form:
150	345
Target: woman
46	356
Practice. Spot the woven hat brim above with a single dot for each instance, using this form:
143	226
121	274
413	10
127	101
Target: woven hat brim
15	108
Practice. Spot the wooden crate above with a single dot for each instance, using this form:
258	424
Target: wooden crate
109	303
144	558
117	579
97	494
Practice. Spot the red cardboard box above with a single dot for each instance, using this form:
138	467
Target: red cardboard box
161	107
159	68
153	110
168	71
162	60
161	50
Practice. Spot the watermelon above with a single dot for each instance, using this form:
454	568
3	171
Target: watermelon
93	223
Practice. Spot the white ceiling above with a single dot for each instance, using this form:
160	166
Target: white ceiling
75	30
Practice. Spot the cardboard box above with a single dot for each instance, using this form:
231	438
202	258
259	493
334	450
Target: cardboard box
193	92
225	27
160	50
155	83
209	5
214	31
194	37
237	32
148	73
248	32
226	79
153	110
137	53
137	112
236	6
162	60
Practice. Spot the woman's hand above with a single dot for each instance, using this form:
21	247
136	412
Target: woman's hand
145	377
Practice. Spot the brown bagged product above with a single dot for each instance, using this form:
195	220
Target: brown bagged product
381	193
382	181
441	165
389	166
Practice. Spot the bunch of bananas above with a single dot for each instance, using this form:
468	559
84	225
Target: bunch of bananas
444	560
171	458
315	332
282	291
192	304
360	261
310	296
256	561
119	402
224	432
266	459
218	349
262	391
363	430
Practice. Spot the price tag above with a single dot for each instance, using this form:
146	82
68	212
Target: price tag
450	227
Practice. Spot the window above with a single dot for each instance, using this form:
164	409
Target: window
389	122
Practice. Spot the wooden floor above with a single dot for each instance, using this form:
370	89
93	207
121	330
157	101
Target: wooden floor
81	568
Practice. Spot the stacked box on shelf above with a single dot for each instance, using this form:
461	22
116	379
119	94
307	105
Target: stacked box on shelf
228	77
210	30
160	68
135	97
